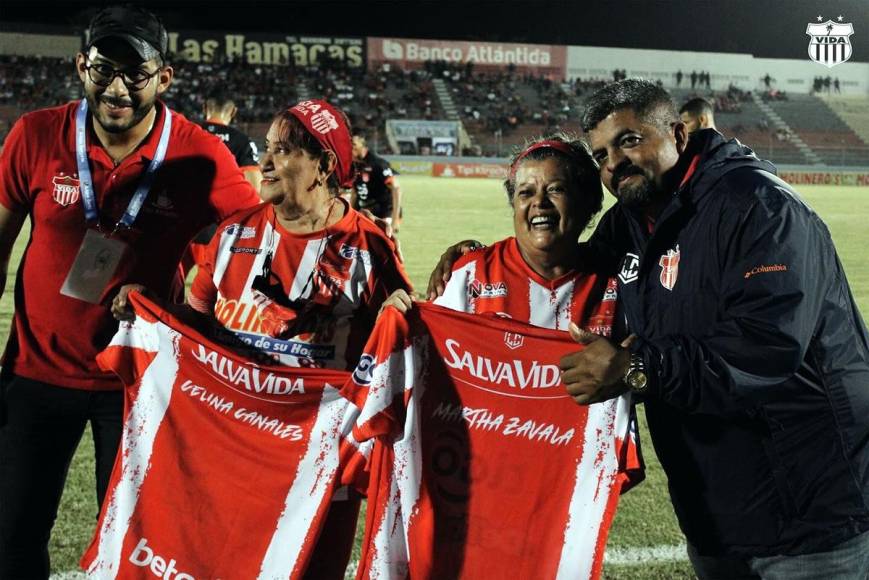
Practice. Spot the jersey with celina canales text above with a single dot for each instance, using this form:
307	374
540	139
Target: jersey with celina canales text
226	468
492	470
334	281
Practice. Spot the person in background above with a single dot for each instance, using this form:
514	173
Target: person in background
220	110
376	186
114	196
696	114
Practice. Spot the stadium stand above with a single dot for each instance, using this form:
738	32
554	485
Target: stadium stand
500	110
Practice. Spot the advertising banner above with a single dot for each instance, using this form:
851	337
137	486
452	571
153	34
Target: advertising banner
825	177
485	170
542	59
265	48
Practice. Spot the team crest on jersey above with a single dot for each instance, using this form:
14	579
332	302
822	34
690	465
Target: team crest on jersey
670	268
66	189
477	289
830	42
630	269
239	231
513	340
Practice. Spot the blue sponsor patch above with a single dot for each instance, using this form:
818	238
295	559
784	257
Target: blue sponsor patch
291	347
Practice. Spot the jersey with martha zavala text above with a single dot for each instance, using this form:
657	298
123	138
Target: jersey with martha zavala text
226	468
492	471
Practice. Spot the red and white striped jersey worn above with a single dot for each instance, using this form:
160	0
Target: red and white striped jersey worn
497	280
491	469
328	284
226	468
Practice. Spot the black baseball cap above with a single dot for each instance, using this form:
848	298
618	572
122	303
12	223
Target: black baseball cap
138	27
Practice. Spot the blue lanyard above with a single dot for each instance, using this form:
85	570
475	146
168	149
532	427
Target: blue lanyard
91	211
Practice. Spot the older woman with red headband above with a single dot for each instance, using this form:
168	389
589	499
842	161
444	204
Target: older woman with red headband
303	275
540	275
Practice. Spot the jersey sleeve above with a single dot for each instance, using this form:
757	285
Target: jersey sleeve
230	192
455	294
387	273
203	293
15	192
382	380
132	349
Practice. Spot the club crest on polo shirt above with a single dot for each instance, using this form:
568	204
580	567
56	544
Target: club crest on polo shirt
669	263
630	269
66	189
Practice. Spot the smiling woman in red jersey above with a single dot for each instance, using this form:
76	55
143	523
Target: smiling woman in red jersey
302	276
539	275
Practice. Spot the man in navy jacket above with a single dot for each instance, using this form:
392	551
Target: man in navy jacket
750	353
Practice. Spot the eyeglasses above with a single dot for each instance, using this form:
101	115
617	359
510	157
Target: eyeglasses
104	75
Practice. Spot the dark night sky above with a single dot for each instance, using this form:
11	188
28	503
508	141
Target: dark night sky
765	28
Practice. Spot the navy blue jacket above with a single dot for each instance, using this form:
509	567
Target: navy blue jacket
759	359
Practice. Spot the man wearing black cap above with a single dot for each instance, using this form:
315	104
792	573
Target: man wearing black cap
115	186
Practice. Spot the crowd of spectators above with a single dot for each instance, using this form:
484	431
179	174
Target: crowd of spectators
826	85
697	79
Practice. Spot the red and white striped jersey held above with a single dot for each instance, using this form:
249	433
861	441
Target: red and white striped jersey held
490	469
226	468
321	299
497	280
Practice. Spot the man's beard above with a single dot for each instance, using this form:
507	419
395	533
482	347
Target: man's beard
110	125
636	195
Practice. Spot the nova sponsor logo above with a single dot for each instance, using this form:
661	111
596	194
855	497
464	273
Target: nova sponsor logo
66	189
144	557
364	371
477	289
515	374
248	378
240	232
349	252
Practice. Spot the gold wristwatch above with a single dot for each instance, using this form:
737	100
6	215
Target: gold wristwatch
635	377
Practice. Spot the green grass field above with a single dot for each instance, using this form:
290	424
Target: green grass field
438	213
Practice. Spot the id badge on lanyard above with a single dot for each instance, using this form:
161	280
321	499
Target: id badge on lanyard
100	254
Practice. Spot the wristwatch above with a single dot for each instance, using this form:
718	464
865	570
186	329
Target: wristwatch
635	377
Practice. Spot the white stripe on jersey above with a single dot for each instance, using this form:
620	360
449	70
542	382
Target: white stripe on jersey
390	553
314	477
313	250
590	494
455	294
548	308
140	431
268	243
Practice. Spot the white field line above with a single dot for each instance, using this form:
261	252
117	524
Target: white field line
613	557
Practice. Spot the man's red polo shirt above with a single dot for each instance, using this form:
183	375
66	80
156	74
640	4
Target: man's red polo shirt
55	338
